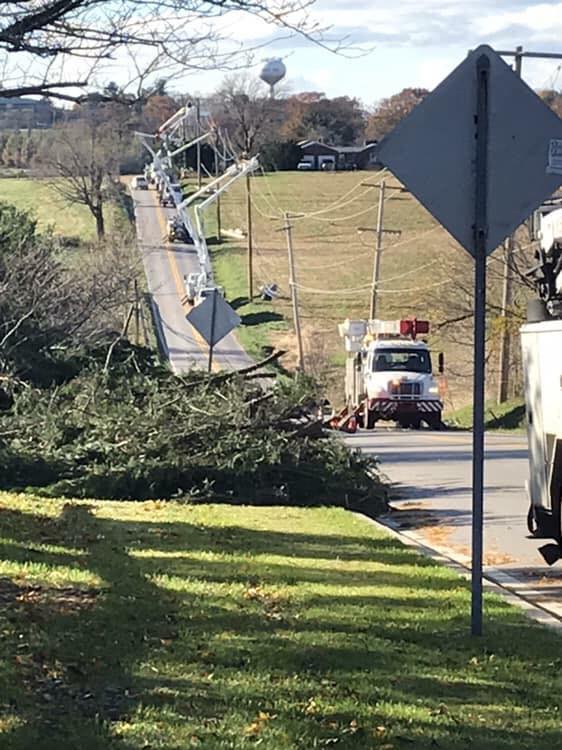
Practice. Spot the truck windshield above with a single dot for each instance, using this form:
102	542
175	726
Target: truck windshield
406	360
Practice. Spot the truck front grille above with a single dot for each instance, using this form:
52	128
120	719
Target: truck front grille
406	389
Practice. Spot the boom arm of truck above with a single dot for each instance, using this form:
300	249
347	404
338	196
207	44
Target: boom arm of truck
547	272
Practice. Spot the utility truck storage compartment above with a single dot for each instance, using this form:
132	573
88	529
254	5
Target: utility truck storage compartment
542	365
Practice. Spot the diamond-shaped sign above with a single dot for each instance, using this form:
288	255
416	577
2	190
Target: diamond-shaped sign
432	151
213	325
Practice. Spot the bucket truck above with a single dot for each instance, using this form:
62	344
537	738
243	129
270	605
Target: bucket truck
541	341
389	373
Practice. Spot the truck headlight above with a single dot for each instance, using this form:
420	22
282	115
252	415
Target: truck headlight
434	390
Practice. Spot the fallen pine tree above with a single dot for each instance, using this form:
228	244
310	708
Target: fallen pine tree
136	431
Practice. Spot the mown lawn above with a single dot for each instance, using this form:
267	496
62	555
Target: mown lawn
51	211
166	626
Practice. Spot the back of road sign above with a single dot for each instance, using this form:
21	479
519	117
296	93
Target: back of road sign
213	325
432	151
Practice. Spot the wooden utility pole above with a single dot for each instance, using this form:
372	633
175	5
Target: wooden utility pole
378	247
198	144
250	238
294	292
137	314
507	291
218	201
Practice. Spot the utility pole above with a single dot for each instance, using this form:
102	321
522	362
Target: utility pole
294	292
137	314
507	290
380	231
184	133
378	247
250	238
218	201
198	112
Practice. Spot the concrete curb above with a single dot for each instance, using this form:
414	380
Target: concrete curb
496	581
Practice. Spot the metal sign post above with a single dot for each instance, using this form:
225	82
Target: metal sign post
213	322
480	232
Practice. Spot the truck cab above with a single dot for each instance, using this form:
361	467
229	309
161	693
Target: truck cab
389	373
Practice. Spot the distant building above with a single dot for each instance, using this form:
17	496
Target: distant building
323	156
23	112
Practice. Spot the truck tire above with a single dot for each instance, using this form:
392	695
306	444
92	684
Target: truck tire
532	525
369	418
435	422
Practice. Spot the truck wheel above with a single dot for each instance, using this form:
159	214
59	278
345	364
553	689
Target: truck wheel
532	525
369	418
435	422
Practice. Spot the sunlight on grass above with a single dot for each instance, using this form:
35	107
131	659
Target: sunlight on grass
168	626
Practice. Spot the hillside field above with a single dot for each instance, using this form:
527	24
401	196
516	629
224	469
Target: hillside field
52	212
424	272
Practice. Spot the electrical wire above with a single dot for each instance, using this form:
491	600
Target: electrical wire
315	290
410	272
333	207
414	288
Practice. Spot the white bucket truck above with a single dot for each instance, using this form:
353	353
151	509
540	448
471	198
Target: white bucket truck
389	374
541	341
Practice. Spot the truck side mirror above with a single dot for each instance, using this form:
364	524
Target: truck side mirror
441	361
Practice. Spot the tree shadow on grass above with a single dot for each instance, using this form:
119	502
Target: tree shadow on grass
72	649
234	637
257	318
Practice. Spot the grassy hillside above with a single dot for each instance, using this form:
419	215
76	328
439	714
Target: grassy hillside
507	416
423	271
39	197
166	626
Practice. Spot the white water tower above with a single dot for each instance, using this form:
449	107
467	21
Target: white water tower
272	72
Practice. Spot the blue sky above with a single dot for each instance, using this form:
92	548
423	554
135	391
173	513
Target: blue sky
410	43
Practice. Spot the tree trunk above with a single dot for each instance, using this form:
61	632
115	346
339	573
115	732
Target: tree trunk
100	223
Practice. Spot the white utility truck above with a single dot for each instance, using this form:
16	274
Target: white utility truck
389	375
541	341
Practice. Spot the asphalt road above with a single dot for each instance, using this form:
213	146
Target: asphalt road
432	493
165	266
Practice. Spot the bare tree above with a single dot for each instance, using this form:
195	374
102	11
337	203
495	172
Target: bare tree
83	158
43	43
245	110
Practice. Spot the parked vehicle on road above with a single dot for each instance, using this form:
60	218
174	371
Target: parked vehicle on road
177	231
140	183
389	374
195	292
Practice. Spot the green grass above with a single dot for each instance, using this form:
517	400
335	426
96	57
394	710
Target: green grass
507	416
165	626
51	211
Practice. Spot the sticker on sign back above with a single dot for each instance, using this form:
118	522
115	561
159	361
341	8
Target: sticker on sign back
554	165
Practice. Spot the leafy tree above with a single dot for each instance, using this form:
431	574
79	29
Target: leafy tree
553	99
340	121
388	113
280	155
